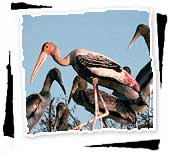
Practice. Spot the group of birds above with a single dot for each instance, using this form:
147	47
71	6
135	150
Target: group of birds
129	95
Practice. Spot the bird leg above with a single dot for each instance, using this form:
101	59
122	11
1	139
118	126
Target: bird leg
105	107
98	111
95	87
97	114
79	127
93	120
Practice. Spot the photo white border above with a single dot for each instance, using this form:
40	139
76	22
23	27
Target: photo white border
48	12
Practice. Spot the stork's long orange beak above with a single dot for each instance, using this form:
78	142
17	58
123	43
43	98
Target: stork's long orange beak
40	61
135	37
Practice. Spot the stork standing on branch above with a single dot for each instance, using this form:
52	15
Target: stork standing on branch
119	110
96	69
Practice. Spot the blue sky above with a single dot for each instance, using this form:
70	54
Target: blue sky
108	33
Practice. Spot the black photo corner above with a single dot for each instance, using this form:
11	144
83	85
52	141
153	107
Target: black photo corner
161	23
147	144
8	127
22	5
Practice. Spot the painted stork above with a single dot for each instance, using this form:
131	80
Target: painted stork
115	92
95	68
120	111
145	76
61	119
36	103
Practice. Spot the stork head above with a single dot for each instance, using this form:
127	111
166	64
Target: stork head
62	113
61	109
48	48
55	74
141	30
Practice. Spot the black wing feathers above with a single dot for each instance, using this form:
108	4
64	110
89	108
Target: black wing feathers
98	61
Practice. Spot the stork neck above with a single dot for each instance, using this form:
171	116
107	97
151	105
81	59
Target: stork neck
62	61
47	85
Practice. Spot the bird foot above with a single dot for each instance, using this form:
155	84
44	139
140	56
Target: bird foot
94	120
79	127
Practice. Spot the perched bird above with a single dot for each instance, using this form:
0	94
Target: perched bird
96	69
36	103
120	111
145	76
115	92
61	119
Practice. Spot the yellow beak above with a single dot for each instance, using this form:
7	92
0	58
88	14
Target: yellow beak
40	61
135	37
